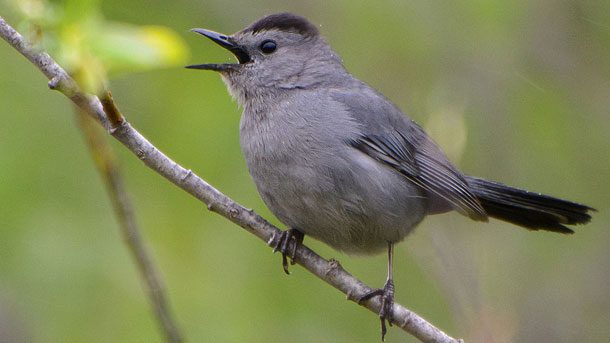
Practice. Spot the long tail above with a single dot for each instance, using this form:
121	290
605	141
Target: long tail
533	211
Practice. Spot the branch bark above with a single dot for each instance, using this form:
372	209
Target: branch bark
329	271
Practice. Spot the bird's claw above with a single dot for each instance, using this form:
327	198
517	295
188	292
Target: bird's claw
387	302
282	244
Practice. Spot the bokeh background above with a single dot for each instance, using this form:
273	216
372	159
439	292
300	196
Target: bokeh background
515	91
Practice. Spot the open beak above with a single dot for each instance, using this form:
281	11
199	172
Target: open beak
227	43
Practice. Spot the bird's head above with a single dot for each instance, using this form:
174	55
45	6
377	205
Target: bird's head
277	52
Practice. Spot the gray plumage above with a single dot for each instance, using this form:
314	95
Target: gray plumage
336	160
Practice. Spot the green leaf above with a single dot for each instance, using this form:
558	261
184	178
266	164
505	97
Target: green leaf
92	48
79	10
126	48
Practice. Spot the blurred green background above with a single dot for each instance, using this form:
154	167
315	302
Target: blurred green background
515	91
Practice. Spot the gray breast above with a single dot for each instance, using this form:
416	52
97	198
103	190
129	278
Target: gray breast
312	180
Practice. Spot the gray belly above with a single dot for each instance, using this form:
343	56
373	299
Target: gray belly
339	196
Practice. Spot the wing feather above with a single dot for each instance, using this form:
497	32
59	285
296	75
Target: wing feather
424	168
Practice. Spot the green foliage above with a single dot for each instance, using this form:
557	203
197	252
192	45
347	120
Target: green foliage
91	47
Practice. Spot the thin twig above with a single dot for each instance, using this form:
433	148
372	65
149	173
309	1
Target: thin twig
113	113
329	271
108	167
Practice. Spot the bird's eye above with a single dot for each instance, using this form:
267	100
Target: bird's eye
268	46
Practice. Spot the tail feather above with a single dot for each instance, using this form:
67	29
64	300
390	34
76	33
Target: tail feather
533	211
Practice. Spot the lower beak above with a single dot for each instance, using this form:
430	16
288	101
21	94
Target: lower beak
227	43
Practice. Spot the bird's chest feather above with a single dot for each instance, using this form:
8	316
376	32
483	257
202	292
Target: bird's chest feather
283	147
311	179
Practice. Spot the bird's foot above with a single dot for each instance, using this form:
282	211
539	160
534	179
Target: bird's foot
282	244
387	301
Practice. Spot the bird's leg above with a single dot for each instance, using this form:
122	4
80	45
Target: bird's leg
283	243
386	293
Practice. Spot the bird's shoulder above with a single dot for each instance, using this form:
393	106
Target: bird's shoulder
371	109
390	137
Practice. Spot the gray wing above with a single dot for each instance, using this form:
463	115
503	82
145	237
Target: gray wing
391	138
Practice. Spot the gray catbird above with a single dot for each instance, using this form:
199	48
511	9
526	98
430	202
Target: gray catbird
335	160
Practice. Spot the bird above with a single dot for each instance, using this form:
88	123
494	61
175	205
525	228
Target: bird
335	160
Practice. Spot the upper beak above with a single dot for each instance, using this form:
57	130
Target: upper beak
227	43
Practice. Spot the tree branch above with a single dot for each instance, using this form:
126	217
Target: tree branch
329	271
108	167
